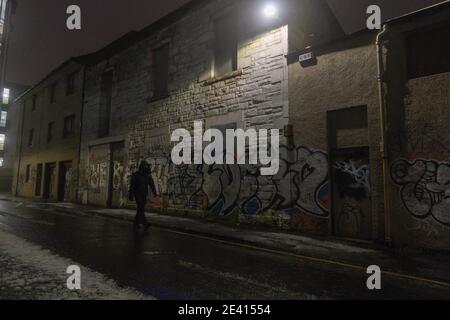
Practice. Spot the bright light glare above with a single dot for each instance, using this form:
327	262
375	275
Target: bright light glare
270	11
6	96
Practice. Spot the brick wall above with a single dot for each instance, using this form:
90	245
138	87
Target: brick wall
255	96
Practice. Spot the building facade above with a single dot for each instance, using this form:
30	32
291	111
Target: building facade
7	9
385	144
8	134
49	135
363	118
9	92
217	62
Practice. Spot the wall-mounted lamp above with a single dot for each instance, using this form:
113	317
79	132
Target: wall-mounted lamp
270	11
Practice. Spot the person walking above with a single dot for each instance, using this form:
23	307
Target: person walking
139	191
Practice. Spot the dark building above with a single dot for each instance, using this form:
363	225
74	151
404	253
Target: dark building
48	121
376	106
8	134
364	119
219	62
7	9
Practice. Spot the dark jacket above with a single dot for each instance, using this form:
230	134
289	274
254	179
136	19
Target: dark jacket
140	183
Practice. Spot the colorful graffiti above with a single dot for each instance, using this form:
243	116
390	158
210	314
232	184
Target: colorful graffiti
425	188
301	186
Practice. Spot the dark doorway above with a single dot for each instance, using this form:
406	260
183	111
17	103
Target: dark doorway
352	194
117	185
38	187
350	173
65	179
105	104
50	181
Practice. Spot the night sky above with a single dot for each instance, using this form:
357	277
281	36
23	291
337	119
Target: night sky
41	42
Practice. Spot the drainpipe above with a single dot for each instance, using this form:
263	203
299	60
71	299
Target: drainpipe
19	144
81	127
384	133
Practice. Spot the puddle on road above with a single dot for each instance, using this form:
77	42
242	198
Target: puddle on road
158	253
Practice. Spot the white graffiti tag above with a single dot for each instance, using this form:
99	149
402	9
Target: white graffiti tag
360	173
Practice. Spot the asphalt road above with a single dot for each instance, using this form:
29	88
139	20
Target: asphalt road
167	264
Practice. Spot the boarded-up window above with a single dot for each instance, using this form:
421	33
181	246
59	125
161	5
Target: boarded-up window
225	45
428	51
28	174
31	138
69	127
71	87
105	106
161	71
53	88
38	186
50	131
34	103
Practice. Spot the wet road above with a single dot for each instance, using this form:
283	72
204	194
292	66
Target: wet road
170	265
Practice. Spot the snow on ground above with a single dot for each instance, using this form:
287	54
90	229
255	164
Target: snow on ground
28	271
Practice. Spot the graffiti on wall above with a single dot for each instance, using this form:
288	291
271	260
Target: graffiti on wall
98	176
68	184
425	188
359	174
353	193
117	175
301	185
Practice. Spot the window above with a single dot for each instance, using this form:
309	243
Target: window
6	94
50	131
69	126
71	83
53	89
28	174
31	138
34	103
38	186
428	51
105	105
3	118
161	71
225	46
2	142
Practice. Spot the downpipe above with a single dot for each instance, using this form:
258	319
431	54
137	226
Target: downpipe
384	134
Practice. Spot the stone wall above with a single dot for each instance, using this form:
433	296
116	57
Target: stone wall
254	96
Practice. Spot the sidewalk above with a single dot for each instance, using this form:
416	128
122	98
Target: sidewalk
433	266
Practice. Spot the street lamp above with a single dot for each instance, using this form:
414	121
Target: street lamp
270	11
